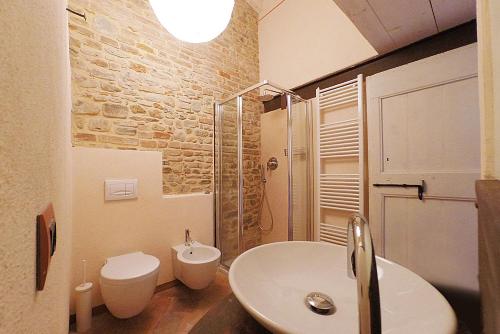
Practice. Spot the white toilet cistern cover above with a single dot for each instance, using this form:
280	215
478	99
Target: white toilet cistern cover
129	266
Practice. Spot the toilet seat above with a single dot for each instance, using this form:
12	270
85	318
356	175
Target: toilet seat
128	282
128	268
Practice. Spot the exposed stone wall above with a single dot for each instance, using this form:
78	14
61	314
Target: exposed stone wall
252	108
135	86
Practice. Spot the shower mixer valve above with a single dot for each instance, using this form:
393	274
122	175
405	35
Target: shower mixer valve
272	163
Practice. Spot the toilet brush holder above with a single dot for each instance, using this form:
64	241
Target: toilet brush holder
83	307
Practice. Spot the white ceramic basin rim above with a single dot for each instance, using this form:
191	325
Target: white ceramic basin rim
271	282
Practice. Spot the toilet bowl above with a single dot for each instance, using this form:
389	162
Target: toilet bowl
128	282
195	265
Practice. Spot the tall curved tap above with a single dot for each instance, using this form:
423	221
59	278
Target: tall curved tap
361	265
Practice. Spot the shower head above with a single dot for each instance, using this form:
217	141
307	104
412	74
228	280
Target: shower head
267	96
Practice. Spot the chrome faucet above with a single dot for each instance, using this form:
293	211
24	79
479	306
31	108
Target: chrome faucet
361	265
187	238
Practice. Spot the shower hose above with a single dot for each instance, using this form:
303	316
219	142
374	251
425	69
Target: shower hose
262	200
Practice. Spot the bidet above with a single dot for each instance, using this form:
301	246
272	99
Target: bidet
195	264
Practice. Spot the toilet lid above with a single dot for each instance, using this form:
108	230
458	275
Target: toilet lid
129	266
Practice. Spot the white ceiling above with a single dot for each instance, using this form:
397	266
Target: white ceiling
391	24
302	40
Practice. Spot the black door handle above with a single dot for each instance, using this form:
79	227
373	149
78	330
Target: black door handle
420	187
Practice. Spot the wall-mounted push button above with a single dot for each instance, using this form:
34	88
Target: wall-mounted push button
115	190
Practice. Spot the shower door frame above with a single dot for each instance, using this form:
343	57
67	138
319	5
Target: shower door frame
218	124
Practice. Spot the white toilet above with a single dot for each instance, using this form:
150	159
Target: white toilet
195	264
128	282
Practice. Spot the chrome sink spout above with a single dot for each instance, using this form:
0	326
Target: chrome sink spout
361	266
187	238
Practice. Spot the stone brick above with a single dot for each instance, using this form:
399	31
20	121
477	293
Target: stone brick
109	87
190	124
100	62
155	113
92	44
162	144
129	49
103	25
137	109
99	124
138	67
126	123
79	122
145	47
117	52
115	110
126	131
99	73
174	144
80	30
85	108
118	140
158	127
172	152
146	135
110	41
84	137
149	143
161	135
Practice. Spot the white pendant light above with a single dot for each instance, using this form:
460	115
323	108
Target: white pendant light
194	21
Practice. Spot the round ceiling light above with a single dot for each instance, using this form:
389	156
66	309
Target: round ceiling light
194	21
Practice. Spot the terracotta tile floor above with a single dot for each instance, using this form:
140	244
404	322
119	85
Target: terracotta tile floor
213	310
228	317
179	309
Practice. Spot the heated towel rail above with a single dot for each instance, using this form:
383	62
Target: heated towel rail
339	158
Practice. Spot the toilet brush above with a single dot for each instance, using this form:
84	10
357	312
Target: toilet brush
84	303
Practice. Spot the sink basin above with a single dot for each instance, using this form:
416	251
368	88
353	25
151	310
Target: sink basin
272	281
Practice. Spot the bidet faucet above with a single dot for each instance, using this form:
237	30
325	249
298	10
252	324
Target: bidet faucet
187	238
361	265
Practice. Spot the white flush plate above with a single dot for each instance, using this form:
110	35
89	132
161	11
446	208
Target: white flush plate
115	190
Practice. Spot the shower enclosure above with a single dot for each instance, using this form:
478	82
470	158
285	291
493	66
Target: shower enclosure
240	168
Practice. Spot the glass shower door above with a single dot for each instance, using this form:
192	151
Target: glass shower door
301	171
226	150
241	196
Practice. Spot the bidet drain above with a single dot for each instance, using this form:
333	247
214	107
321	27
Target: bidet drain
320	303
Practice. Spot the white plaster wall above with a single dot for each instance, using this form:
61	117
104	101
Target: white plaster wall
273	132
152	223
35	165
488	21
300	41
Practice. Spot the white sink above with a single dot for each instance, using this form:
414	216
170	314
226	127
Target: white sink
271	282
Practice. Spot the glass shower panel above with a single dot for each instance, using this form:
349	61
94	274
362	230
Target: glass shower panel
252	150
300	171
252	109
227	181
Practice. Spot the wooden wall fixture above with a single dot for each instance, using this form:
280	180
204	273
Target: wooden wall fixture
46	236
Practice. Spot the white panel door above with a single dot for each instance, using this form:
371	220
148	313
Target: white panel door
423	124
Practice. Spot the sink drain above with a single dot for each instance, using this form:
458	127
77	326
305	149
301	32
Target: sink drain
320	303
